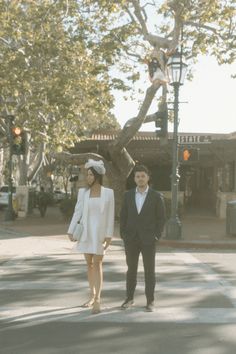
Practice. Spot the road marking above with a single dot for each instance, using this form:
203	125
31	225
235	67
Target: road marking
25	317
201	282
211	276
185	286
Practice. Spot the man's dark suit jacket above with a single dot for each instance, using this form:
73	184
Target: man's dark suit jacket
149	223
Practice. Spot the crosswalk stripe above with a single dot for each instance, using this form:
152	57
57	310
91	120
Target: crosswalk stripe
208	283
171	286
27	317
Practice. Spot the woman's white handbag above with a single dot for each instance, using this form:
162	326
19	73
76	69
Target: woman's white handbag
78	231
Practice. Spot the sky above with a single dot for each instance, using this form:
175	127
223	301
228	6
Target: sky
210	97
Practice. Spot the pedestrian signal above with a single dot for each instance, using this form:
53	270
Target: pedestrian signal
189	154
186	155
18	141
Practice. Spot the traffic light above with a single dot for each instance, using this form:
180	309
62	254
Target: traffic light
74	179
161	123
189	154
18	141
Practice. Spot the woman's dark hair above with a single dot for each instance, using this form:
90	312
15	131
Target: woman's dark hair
141	168
97	176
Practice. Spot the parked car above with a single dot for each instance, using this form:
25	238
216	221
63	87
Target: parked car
4	195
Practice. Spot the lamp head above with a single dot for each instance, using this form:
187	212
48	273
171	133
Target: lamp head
177	69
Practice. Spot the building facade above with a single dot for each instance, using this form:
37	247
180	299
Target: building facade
207	180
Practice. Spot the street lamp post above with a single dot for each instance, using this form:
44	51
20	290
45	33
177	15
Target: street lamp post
177	71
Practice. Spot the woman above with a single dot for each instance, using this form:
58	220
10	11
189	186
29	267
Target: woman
97	203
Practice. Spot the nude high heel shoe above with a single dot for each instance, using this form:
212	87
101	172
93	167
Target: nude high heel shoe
88	303
96	307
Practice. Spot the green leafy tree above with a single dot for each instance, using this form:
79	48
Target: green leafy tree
127	32
78	51
50	79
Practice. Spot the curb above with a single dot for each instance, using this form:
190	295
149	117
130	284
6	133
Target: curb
10	231
181	244
163	243
226	245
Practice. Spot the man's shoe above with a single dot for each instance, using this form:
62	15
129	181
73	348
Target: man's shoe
127	304
150	307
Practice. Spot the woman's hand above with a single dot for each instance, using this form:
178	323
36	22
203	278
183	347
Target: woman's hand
106	243
71	237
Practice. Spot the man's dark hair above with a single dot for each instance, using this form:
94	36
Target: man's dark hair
141	168
97	176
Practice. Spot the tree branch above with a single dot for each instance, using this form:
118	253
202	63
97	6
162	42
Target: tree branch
130	14
128	132
199	25
79	159
157	41
139	16
176	32
37	163
132	54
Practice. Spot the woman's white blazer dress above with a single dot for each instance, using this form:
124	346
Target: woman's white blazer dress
97	216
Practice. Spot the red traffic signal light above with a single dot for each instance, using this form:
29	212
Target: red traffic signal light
18	141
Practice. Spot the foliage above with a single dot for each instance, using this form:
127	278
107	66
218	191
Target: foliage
127	31
60	60
56	85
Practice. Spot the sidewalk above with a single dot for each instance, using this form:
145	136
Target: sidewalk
198	230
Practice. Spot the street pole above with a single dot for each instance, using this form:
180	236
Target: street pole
10	215
173	227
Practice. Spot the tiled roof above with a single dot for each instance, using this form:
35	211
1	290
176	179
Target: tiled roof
152	136
111	136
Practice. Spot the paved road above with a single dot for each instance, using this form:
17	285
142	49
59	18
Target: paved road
43	283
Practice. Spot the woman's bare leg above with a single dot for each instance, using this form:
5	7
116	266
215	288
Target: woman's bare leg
98	275
98	280
90	274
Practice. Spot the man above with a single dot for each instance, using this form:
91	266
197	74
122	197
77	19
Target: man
142	221
42	202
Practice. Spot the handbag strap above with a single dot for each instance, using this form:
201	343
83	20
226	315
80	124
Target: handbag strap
82	206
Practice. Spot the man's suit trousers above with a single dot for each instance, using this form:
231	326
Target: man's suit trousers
133	249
